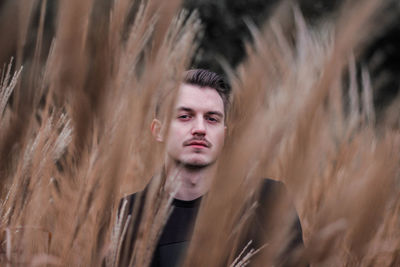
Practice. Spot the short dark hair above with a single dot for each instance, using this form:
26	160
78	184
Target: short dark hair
206	78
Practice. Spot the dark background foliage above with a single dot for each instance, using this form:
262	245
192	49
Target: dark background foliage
226	31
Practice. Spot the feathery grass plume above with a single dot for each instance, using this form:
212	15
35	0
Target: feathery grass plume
7	85
338	165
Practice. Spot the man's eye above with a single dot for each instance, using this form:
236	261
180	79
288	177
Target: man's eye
184	117
212	119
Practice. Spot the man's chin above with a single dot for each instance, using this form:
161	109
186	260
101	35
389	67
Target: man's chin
196	163
196	166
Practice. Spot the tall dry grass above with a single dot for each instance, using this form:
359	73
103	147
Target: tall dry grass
75	138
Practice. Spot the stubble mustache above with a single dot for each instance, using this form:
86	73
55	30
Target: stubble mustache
197	139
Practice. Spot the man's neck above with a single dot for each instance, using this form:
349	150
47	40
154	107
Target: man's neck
194	182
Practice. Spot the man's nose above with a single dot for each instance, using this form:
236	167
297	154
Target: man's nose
199	127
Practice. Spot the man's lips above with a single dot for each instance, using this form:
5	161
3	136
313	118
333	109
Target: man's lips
197	143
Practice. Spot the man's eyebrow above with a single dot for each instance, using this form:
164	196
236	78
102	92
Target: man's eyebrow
219	114
184	109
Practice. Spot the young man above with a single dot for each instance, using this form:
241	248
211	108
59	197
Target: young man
193	143
196	132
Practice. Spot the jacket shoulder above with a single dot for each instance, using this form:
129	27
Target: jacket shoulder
272	189
268	184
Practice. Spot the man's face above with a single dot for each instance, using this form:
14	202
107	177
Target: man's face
197	130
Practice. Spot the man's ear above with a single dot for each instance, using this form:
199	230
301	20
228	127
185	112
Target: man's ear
156	130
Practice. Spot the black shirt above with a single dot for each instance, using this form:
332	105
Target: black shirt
177	233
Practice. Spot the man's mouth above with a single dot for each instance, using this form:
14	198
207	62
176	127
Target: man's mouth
197	143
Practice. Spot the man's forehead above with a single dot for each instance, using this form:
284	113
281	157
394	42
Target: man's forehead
195	97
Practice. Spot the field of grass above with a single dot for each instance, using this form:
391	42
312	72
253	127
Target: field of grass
75	135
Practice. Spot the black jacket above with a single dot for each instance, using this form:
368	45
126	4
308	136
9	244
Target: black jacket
177	232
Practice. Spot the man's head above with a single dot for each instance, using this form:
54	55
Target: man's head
197	130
